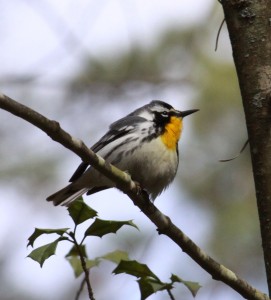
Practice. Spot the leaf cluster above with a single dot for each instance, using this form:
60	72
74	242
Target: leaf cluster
79	211
148	282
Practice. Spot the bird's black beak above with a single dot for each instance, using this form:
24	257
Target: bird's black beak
188	112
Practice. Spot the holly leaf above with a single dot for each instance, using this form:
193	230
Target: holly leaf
39	231
80	211
90	263
149	286
116	256
102	227
76	264
191	285
74	251
134	268
42	253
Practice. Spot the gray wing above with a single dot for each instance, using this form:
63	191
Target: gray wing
116	130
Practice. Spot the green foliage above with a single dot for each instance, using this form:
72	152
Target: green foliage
191	285
149	286
42	253
116	256
134	268
80	211
103	227
76	264
39	231
76	250
149	283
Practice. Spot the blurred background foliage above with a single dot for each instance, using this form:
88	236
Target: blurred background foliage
180	64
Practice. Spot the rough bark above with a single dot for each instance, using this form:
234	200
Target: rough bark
249	26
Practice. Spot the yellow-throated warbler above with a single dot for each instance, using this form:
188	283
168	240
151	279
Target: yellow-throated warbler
144	143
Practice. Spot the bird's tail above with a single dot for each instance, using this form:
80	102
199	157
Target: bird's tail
67	195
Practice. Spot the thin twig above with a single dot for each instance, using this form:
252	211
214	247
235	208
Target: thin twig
83	264
240	152
218	34
124	182
84	267
80	289
170	294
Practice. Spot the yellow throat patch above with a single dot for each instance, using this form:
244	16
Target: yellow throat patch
172	133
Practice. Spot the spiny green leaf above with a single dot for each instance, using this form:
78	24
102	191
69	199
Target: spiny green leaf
132	267
101	227
74	251
149	286
116	256
80	211
76	264
90	263
191	285
39	231
44	252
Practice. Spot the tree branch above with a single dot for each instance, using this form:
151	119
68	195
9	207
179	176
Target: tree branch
124	182
248	24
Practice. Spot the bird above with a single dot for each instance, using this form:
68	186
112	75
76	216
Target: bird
144	143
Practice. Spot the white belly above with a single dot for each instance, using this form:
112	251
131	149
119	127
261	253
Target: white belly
153	165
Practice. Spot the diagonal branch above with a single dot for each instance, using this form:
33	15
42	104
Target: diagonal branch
124	183
53	129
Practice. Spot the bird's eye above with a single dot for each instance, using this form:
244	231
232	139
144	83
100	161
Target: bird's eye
164	114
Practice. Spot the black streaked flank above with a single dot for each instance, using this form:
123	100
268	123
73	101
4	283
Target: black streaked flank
130	139
117	130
